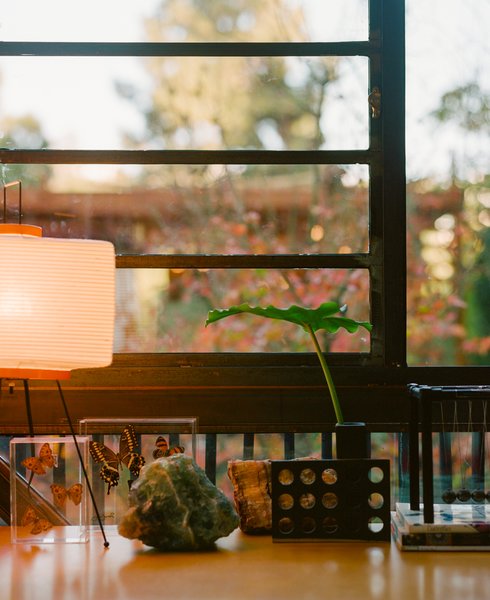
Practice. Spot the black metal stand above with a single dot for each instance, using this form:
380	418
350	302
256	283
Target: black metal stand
421	399
89	487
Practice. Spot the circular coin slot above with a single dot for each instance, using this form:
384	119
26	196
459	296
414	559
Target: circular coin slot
286	525
375	475
308	525
376	501
330	500
307	476
285	477
307	501
330	525
329	476
285	501
375	524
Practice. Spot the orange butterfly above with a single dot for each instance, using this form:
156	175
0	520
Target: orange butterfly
30	517
60	494
37	464
162	448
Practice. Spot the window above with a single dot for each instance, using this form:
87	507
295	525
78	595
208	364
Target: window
257	156
448	95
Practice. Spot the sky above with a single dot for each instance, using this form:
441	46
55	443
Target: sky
446	46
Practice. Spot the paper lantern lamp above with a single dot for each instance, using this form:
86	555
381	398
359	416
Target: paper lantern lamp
56	303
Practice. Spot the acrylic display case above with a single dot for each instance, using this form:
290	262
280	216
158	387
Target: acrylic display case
448	403
48	496
119	448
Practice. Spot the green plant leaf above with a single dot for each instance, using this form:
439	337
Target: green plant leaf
311	320
317	318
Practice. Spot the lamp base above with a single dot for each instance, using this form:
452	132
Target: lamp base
33	374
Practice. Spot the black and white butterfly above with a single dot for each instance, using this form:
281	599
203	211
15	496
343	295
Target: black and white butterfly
111	461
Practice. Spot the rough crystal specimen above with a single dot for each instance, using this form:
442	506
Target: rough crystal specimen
251	490
174	506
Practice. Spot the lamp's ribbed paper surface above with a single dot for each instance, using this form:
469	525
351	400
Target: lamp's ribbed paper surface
56	303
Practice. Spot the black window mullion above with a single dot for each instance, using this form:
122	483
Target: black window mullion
394	182
376	183
377	272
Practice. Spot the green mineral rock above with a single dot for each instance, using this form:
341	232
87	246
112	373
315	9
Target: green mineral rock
174	506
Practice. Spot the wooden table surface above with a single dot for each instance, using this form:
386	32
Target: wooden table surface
242	567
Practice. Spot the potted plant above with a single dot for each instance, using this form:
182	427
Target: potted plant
352	440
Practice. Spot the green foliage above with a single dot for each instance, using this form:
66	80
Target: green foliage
24	132
467	106
310	320
316	318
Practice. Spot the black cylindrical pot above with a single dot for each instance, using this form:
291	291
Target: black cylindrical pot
353	440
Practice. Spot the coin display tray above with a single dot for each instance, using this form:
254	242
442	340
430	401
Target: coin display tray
345	499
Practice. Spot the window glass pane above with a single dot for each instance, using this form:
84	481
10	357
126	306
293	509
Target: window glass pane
199	209
272	103
185	20
448	195
164	310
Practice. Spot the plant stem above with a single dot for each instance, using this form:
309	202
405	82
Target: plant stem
328	375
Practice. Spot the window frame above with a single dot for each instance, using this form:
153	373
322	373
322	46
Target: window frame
217	387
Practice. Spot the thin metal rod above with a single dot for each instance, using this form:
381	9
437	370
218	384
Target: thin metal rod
413	456
30	422
7	185
28	407
94	503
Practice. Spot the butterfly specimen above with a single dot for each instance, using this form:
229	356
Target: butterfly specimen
128	455
38	464
60	494
39	525
162	448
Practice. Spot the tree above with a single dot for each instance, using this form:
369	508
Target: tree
245	102
232	102
449	286
468	106
25	132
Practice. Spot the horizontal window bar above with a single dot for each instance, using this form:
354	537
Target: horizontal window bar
189	48
192	157
263	261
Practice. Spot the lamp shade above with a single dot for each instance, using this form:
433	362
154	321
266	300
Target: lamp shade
56	304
